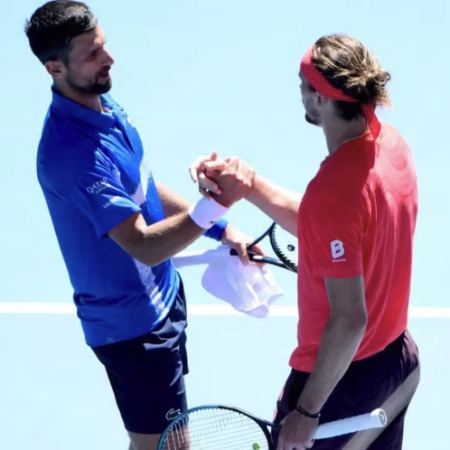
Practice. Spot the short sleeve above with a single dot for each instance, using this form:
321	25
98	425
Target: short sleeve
334	222
92	184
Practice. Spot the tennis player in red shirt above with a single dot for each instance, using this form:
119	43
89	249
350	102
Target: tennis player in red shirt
355	226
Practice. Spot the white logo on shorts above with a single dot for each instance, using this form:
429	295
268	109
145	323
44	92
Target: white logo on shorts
337	249
171	414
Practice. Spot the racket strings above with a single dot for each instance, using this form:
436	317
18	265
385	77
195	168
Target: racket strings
216	429
286	245
228	435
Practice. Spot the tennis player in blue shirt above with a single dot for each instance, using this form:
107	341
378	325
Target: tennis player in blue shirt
116	226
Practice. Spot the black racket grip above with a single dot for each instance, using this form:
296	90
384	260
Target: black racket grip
251	255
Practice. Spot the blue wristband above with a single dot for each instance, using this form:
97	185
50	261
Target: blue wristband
216	231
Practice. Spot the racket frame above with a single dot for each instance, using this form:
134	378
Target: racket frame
263	424
379	414
282	262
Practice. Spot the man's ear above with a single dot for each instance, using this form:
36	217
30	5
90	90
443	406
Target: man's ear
319	99
55	68
322	101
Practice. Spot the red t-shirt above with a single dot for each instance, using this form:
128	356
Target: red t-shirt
358	216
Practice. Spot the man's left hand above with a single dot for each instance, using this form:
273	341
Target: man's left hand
239	241
297	432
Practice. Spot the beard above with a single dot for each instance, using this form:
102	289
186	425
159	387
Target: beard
94	86
311	120
312	115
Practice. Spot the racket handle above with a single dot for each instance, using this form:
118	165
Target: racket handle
375	419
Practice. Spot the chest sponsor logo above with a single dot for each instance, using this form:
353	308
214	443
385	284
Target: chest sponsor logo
98	186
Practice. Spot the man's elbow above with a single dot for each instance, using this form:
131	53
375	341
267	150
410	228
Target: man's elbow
359	322
146	260
354	322
139	251
145	257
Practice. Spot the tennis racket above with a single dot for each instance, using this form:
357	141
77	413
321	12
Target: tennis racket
283	244
218	427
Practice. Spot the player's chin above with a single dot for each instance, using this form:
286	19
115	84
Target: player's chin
311	120
102	86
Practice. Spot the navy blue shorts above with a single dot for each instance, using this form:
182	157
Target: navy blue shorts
147	373
364	387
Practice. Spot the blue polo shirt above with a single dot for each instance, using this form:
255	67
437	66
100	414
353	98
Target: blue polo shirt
93	173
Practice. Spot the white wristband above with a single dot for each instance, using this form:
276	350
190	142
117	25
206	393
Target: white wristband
206	212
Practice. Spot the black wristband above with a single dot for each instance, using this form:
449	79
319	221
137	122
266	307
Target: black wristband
306	413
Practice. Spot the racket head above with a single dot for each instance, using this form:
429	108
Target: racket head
281	242
285	246
216	426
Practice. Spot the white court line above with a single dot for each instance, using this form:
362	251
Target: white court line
200	310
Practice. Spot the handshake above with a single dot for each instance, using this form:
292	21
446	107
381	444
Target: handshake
225	180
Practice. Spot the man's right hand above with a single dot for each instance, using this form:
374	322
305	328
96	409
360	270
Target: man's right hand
226	180
235	181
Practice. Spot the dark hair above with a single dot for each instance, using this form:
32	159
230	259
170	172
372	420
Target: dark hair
52	27
349	66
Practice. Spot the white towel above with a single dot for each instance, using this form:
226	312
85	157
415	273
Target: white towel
250	289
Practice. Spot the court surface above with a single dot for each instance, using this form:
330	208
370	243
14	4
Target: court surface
54	394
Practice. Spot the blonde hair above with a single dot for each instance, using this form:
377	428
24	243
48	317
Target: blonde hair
349	66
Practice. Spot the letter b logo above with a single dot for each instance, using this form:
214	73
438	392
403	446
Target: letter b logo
337	249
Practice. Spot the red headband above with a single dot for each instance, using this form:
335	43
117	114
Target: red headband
323	87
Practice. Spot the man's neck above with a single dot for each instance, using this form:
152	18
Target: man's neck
90	101
338	131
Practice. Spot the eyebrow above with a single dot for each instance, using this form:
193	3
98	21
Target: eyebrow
96	47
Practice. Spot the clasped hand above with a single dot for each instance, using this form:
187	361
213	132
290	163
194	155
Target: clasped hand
225	180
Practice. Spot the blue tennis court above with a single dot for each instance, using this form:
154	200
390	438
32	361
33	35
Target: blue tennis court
196	76
55	394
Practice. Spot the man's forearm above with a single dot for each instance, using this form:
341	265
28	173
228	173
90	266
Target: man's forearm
340	342
164	239
280	204
172	202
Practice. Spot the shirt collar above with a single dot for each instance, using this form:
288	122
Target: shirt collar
73	109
